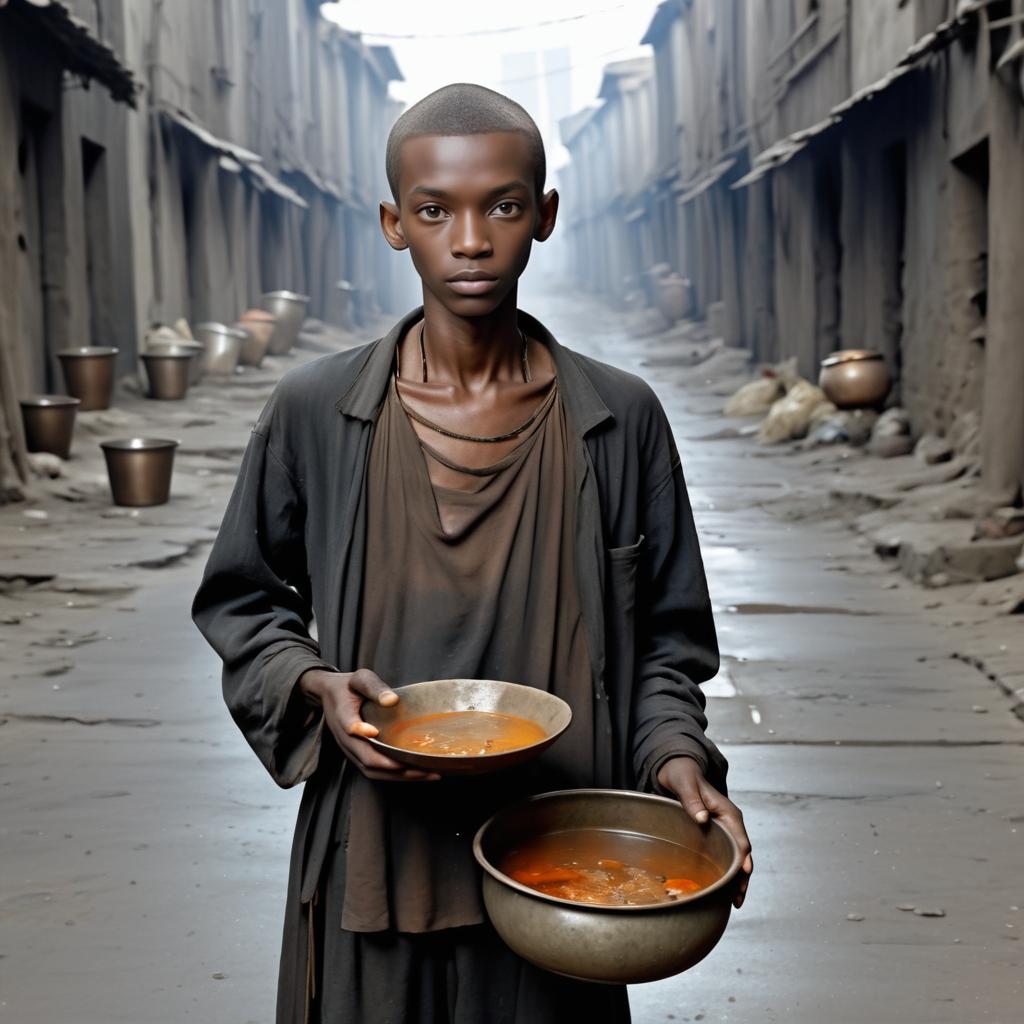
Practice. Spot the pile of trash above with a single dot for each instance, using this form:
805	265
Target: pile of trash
794	409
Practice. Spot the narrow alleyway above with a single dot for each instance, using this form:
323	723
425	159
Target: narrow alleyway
144	849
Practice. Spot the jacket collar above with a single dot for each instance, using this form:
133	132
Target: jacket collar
363	396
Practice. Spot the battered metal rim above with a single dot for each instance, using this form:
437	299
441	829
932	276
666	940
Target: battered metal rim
645	908
851	355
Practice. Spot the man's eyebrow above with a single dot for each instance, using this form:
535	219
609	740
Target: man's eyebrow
440	193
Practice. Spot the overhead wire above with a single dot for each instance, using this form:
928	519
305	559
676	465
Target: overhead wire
500	30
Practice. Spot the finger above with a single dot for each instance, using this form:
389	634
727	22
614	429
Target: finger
693	803
410	775
370	685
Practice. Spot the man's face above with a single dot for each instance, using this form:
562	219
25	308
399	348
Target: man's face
468	213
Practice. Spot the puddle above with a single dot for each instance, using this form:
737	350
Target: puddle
791	609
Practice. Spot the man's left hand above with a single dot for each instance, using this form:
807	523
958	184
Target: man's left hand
683	777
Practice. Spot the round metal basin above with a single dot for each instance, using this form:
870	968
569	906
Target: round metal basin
551	713
140	469
222	345
621	945
89	374
168	372
49	423
290	310
855	378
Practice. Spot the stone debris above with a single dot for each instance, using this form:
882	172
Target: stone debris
931	449
854	917
46	464
906	907
1002	522
929	912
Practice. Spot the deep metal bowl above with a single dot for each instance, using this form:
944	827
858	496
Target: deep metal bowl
290	310
89	374
621	945
168	372
49	423
259	327
195	348
222	346
551	713
855	378
140	470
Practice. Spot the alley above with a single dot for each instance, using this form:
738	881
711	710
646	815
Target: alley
145	849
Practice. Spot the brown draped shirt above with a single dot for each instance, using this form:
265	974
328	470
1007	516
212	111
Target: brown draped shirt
475	581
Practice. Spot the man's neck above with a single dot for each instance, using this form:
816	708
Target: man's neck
472	352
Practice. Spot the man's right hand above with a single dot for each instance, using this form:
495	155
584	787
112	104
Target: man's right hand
341	695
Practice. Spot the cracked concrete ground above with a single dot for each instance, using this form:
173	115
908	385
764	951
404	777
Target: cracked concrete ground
144	849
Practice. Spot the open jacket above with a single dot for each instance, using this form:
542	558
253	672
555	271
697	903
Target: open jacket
291	551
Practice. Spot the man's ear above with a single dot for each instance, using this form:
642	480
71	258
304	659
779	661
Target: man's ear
548	215
391	225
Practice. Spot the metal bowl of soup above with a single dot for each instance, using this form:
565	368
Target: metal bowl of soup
467	726
607	885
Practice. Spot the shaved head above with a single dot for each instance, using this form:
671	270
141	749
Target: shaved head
464	109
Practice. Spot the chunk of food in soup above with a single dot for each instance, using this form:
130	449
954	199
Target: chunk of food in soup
610	868
464	733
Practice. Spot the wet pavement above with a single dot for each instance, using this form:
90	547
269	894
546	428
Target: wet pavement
144	849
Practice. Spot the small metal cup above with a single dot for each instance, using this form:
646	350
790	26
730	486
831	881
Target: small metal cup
259	327
290	310
168	372
222	345
89	374
140	470
49	423
194	348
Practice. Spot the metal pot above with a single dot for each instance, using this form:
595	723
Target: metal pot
222	346
623	945
672	296
49	423
259	326
855	378
140	469
196	349
168	372
89	374
290	310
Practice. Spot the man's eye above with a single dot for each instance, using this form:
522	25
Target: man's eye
508	208
432	212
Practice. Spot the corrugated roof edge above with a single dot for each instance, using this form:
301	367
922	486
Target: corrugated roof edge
81	52
782	151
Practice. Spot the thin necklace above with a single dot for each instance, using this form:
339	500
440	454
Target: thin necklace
507	436
523	358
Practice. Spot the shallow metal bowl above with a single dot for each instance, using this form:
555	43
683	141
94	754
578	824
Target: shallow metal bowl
551	713
621	945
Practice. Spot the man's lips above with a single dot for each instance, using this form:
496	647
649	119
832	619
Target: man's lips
472	282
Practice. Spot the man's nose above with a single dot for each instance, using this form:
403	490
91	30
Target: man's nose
470	239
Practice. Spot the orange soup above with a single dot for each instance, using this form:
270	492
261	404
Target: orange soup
464	733
615	869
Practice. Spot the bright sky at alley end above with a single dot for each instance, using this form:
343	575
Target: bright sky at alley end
547	54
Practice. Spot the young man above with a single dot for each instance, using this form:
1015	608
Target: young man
462	498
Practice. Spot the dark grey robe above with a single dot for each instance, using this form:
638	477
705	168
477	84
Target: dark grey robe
291	548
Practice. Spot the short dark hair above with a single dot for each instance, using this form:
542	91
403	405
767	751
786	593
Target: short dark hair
464	109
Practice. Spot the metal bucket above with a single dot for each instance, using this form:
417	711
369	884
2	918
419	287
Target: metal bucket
168	372
139	469
222	346
49	423
259	327
89	375
194	348
290	310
